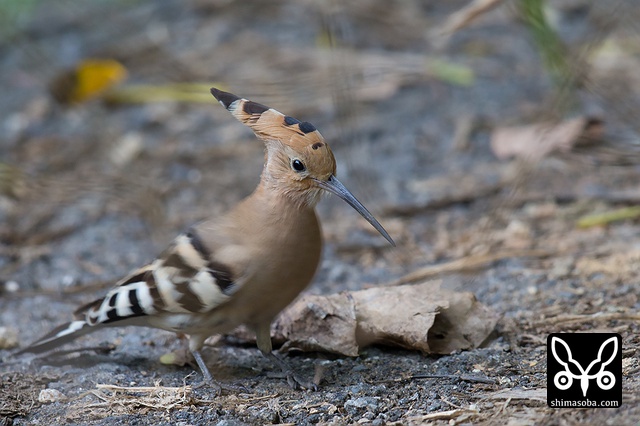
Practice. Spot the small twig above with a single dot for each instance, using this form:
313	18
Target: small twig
99	395
451	403
623	196
440	415
261	398
143	389
156	397
599	219
476	193
463	17
83	394
586	318
465	264
533	338
464	377
61	353
502	408
532	394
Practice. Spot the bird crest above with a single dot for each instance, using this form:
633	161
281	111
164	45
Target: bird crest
298	144
270	124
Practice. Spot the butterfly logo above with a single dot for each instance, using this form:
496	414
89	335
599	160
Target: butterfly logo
564	379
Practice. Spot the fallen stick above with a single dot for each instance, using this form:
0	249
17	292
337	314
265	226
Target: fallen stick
465	264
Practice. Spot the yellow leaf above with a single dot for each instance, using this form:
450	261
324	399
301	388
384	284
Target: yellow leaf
89	79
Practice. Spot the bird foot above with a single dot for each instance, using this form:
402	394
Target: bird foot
217	387
294	381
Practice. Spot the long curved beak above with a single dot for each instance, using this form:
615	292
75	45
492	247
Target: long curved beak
334	186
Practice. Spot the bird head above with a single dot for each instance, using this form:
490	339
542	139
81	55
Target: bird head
299	162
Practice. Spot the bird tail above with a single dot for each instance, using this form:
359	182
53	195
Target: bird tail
118	306
59	336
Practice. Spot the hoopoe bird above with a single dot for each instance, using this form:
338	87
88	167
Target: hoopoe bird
241	268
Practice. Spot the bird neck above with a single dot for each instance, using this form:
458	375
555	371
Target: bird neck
274	213
281	196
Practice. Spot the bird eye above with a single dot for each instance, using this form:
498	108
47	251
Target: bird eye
298	166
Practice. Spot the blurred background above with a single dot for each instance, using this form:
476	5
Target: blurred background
501	135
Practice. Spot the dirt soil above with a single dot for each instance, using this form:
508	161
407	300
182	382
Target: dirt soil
91	191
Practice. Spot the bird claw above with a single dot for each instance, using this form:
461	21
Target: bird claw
295	381
217	387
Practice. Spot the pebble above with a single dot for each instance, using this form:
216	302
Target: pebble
363	402
50	395
11	287
8	338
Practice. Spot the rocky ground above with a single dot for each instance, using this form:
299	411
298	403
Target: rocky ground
93	190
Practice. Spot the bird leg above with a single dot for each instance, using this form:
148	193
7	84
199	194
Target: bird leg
203	367
263	339
208	378
213	383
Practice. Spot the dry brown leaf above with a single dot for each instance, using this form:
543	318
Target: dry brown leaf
535	141
465	324
421	317
320	323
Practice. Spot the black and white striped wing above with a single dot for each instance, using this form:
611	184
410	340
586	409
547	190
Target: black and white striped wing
183	279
